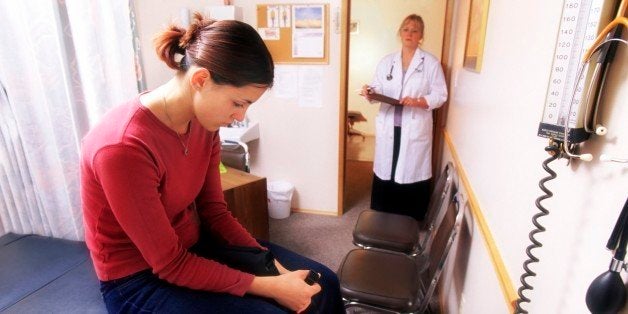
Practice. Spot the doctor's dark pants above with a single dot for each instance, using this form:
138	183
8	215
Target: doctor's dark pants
409	199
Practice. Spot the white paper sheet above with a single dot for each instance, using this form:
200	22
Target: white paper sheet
310	86
286	82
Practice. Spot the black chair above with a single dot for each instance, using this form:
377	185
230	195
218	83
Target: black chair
393	282
400	233
235	154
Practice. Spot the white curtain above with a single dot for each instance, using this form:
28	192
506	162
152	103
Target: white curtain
62	65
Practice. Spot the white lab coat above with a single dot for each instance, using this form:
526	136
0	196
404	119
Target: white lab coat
424	77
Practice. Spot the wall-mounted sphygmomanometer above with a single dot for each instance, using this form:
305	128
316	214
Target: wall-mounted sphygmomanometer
590	31
585	47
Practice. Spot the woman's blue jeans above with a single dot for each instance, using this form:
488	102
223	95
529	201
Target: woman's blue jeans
144	292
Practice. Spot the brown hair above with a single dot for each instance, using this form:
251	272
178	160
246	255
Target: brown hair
413	18
232	51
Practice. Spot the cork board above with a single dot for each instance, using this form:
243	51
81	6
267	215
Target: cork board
281	47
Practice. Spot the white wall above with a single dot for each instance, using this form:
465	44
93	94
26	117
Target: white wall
379	21
493	120
297	144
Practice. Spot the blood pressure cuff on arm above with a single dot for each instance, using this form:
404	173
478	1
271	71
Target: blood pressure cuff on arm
251	260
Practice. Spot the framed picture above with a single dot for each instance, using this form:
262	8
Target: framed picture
476	31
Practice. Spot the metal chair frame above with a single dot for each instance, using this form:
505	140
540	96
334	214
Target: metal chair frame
433	218
428	292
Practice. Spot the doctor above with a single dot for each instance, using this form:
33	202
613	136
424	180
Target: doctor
403	144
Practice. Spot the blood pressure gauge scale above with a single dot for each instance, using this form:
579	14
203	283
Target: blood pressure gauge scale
580	22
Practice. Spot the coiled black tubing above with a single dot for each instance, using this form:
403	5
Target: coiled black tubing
554	150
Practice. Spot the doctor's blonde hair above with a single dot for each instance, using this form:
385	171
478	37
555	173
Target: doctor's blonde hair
412	18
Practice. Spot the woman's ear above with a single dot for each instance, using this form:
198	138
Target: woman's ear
200	77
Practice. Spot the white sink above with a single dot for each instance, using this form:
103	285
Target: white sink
243	134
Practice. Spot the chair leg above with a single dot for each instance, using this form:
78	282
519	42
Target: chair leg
376	309
362	246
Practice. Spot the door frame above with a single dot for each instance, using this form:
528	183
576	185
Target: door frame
440	115
345	14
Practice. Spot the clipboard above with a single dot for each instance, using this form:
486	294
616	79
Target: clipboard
386	99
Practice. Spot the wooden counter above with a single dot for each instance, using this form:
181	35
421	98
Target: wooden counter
247	200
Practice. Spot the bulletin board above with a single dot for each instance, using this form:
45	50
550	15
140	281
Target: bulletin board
282	44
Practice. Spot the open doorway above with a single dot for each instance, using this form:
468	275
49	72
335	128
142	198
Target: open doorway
372	34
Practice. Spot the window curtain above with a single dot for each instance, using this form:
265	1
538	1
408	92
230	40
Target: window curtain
63	64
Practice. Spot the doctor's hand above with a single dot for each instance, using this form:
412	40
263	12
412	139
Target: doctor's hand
414	102
366	92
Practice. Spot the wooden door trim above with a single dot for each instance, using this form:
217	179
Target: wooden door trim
344	84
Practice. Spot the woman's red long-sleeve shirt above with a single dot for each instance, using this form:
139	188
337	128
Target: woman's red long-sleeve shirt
145	202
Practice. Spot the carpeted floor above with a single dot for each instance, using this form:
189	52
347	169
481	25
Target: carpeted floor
327	239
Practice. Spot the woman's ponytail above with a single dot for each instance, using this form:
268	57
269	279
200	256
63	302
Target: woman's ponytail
232	51
167	46
175	40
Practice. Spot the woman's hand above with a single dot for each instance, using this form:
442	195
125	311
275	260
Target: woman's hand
289	289
366	92
414	102
296	295
282	270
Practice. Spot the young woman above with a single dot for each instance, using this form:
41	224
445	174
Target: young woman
403	143
152	198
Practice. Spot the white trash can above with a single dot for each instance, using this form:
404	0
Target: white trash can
279	199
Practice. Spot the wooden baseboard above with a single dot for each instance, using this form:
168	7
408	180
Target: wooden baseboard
315	212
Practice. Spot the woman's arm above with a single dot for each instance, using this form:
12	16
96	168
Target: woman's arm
437	87
436	93
130	180
289	288
215	218
376	85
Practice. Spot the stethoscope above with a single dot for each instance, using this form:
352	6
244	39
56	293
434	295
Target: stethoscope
419	68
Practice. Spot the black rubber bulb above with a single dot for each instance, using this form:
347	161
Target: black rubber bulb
606	294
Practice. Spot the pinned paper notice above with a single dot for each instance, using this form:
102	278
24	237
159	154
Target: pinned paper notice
310	87
269	33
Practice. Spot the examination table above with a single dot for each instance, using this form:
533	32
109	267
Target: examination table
47	275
